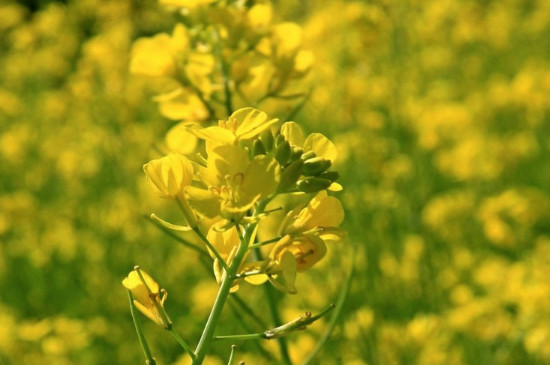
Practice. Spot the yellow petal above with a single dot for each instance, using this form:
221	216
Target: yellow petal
321	145
293	133
251	122
162	64
287	37
217	134
203	201
335	187
261	178
303	61
178	139
259	16
169	175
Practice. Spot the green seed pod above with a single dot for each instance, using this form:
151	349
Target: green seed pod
258	148
330	175
313	184
290	175
267	140
315	166
308	155
296	153
283	153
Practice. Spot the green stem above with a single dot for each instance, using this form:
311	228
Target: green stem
231	355
142	341
211	247
248	336
247	329
338	311
260	244
181	240
272	303
227	282
182	342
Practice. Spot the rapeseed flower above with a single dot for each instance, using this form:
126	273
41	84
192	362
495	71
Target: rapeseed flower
148	297
169	175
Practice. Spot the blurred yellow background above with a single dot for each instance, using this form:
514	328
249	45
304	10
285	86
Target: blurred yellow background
440	110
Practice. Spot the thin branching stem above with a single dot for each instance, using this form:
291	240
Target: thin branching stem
275	316
141	337
181	341
337	312
211	247
178	238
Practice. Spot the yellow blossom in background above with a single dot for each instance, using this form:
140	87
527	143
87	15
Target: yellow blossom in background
167	51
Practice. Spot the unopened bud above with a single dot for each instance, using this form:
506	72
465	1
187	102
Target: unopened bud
313	184
290	175
296	153
280	139
308	155
330	175
258	148
283	153
267	140
315	166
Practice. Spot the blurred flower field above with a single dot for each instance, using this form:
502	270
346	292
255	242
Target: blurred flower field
440	111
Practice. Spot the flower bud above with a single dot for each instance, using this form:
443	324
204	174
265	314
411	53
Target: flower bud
315	166
313	184
308	155
290	175
283	153
267	140
148	297
296	153
330	175
280	139
258	148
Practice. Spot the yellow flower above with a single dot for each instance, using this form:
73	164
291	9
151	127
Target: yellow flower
306	249
315	142
182	104
234	181
323	212
243	124
169	175
281	271
226	243
147	295
159	55
190	4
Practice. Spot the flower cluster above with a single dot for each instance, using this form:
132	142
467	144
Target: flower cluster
245	167
222	56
